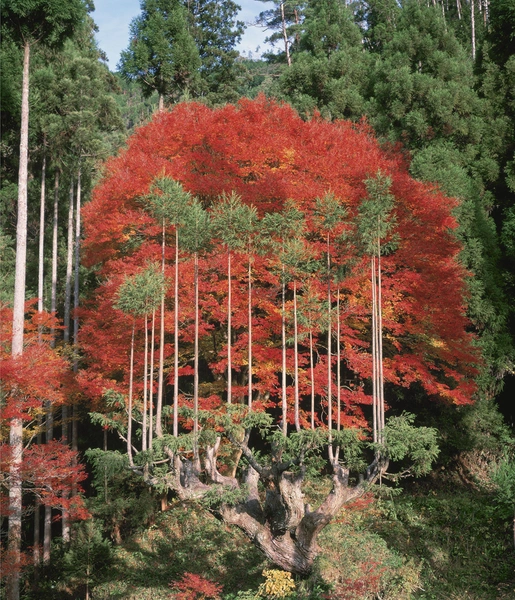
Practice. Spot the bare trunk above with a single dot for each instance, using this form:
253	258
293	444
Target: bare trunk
195	365
69	267
151	406
129	407
229	329
473	28
176	339
312	375
160	379
53	293
329	352
285	35
41	255
249	305
296	357
47	525
380	348
338	363
283	342
16	424
76	302
144	430
375	416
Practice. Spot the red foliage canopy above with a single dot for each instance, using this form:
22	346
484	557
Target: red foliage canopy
268	155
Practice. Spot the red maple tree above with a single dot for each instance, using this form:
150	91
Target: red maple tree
310	309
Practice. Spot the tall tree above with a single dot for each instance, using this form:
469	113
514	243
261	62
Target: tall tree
216	31
162	55
47	22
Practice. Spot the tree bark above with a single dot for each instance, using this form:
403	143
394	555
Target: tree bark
16	423
53	292
229	329
41	254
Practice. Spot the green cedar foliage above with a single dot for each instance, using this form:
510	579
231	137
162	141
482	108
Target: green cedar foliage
162	56
329	70
216	32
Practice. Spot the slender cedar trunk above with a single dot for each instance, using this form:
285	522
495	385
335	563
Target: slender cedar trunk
160	379
296	357
338	363
375	403
195	365
161	105
67	311
36	553
69	267
283	338
285	35
329	352
65	520
151	393
76	302
458	6
53	292
41	255
249	307
380	347
312	375
229	329
41	260
16	424
129	407
144	427
176	339
473	28
47	525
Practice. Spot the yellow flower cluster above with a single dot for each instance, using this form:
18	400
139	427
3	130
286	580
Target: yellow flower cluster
278	584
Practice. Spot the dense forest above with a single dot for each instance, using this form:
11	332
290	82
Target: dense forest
257	328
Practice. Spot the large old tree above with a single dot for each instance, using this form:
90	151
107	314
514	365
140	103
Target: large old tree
282	344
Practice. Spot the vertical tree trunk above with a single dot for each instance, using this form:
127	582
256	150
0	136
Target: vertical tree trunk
285	35
229	329
151	394
67	323
375	418
195	365
144	431
473	28
312	375
53	291
76	301
16	424
329	352
160	378
380	347
283	342
129	407
296	357
41	261
338	363
69	268
47	525
249	309
41	254
176	339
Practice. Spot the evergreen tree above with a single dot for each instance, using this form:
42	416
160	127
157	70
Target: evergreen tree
44	23
162	55
328	71
216	32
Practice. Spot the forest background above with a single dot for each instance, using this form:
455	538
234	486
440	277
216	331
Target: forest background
437	82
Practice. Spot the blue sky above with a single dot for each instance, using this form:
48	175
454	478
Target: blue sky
113	17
